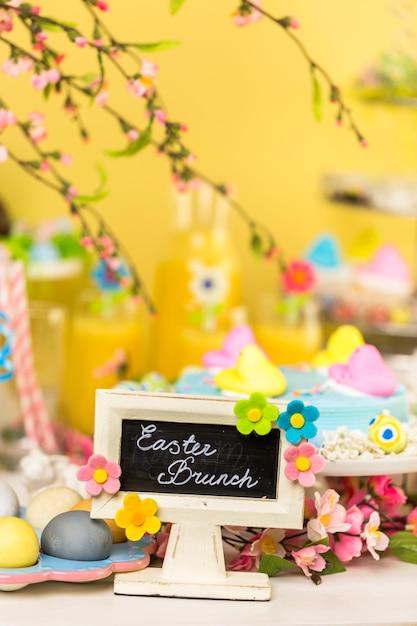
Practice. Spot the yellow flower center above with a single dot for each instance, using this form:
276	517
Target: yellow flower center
254	415
137	518
100	476
297	420
302	464
374	532
325	519
268	545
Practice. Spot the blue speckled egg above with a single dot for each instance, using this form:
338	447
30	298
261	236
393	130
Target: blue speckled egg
75	536
388	432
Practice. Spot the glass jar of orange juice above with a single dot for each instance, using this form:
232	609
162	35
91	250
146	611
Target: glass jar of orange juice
197	284
106	344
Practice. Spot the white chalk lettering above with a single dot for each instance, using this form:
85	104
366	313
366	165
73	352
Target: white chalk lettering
180	473
145	442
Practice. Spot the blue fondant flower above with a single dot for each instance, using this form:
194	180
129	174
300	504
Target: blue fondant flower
298	420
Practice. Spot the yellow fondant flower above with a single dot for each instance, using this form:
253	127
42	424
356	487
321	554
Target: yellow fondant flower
137	517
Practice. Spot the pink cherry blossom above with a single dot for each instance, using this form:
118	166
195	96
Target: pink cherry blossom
331	516
137	88
389	496
347	546
246	561
101	98
148	69
375	539
65	159
310	558
4	155
6	23
16	68
40	81
252	16
41	37
36	129
81	42
45	166
160	116
14	3
132	134
7	118
100	475
303	463
103	6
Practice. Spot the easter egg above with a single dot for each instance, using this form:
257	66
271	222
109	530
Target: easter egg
118	534
19	543
49	503
75	536
388	432
9	502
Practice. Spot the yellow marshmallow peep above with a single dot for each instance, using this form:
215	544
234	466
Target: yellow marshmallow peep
253	372
340	346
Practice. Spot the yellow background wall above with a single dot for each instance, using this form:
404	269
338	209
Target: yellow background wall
245	94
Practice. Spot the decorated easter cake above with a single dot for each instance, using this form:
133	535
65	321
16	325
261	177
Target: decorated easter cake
348	382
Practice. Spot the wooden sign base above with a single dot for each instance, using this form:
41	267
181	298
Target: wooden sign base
194	567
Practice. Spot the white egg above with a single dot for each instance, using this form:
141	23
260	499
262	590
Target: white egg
9	502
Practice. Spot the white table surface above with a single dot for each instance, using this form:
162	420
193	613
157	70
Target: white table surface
369	592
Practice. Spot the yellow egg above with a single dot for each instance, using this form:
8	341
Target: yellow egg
118	534
19	543
388	432
49	503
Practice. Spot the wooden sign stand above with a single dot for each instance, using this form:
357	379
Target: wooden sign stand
186	453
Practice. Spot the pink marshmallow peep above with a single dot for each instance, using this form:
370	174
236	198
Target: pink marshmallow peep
235	341
365	371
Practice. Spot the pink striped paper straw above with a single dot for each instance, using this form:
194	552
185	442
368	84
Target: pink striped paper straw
36	421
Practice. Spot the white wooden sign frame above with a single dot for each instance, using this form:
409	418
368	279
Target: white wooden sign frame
194	562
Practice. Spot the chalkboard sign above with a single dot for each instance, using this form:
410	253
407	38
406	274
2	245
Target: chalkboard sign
186	453
198	459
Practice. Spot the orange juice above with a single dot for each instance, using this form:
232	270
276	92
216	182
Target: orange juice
196	289
288	341
104	347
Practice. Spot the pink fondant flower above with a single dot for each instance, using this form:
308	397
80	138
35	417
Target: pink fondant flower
303	463
331	516
298	277
349	545
310	558
100	475
375	539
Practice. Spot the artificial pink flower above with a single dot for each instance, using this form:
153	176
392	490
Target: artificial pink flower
269	543
389	496
137	88
310	558
14	3
184	185
65	159
7	118
331	516
4	155
41	37
162	541
100	475
81	42
16	68
347	546
45	166
244	562
303	463
40	81
103	6
252	16
87	243
298	277
411	522
375	539
98	43
6	23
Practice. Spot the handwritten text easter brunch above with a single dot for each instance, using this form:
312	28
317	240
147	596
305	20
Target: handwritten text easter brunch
180	471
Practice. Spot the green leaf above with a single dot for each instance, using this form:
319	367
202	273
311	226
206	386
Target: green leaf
256	244
99	193
317	98
271	564
175	5
58	25
156	46
134	146
403	545
333	564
